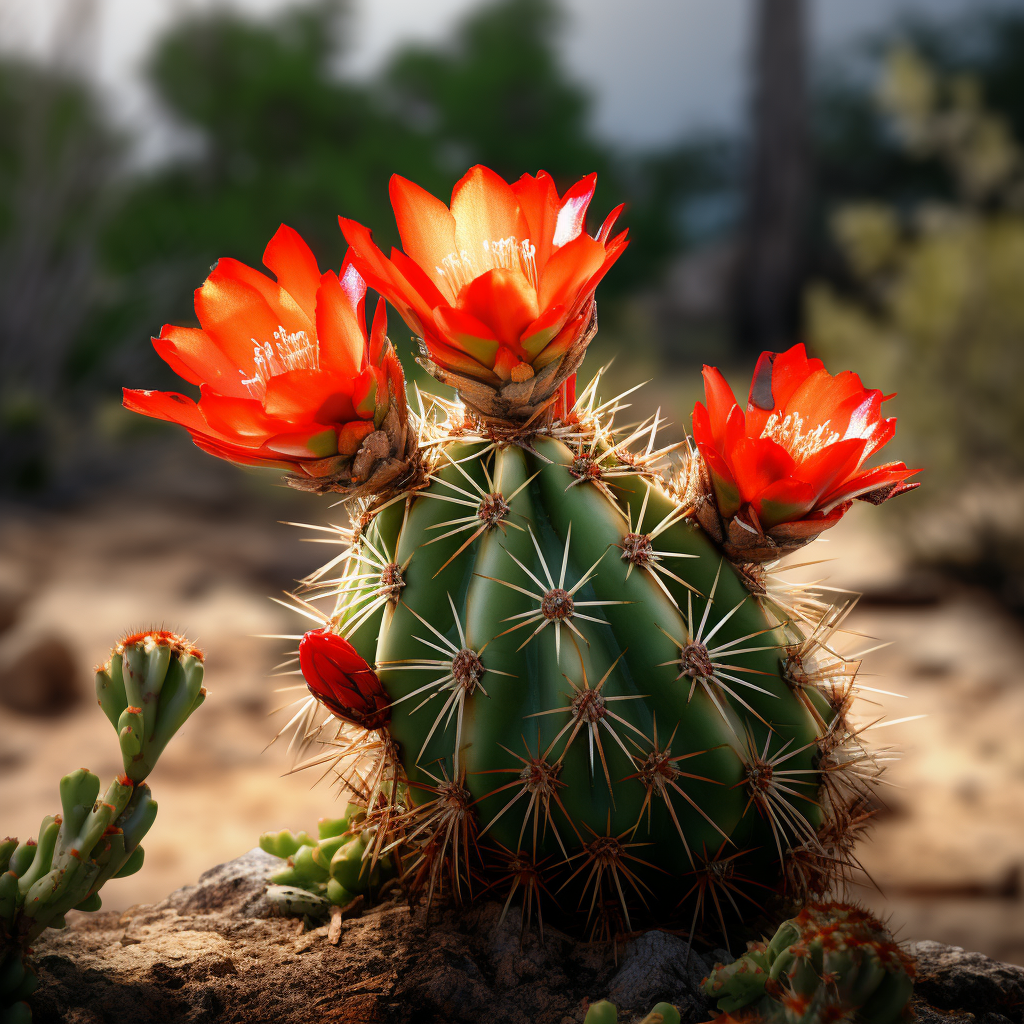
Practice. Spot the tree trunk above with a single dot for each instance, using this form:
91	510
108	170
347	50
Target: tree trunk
770	264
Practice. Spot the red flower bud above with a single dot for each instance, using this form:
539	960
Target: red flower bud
342	681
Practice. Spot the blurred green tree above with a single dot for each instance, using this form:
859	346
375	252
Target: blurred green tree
498	94
271	133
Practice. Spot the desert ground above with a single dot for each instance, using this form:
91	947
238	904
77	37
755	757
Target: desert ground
201	548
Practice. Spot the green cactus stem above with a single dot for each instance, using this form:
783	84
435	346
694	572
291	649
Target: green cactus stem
148	689
831	962
331	870
150	686
606	1013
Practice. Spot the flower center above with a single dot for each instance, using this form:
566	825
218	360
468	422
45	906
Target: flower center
286	352
790	433
459	268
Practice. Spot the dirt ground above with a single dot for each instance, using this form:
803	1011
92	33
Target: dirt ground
206	555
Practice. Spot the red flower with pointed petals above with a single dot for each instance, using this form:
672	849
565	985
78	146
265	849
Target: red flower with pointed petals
287	374
500	286
789	467
342	681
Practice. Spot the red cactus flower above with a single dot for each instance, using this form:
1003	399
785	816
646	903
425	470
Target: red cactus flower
501	284
342	681
790	466
287	374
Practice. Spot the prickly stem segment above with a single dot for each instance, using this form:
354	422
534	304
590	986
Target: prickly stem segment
590	705
148	688
833	961
604	1012
331	870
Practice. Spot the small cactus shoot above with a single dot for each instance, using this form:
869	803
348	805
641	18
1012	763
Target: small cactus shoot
148	688
831	962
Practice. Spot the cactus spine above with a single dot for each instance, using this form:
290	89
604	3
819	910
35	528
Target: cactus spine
148	688
588	700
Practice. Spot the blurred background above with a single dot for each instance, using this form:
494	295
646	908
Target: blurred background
849	175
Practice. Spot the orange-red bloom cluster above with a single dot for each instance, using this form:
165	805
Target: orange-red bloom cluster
502	280
342	681
795	458
287	375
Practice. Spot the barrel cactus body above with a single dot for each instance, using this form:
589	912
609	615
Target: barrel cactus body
546	662
583	690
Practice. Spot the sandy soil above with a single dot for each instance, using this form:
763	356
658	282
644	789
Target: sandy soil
206	558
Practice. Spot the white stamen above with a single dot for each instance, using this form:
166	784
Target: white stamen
459	268
789	433
286	352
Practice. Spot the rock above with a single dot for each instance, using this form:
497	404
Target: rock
950	979
38	672
214	952
659	967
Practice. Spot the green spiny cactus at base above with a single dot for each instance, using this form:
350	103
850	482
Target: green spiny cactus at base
151	684
587	703
331	870
831	962
605	1013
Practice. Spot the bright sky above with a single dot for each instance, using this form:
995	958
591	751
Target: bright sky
657	67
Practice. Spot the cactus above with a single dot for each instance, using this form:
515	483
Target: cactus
831	962
148	688
605	1013
555	658
328	871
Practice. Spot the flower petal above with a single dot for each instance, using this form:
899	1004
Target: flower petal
295	266
572	214
303	396
381	274
727	491
485	210
237	317
166	405
195	356
721	402
568	271
243	421
758	462
783	501
538	199
464	331
505	301
340	325
427	228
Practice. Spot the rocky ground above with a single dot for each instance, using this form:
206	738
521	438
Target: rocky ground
212	953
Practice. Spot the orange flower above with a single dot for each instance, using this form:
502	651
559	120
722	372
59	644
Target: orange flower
287	374
500	285
790	466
